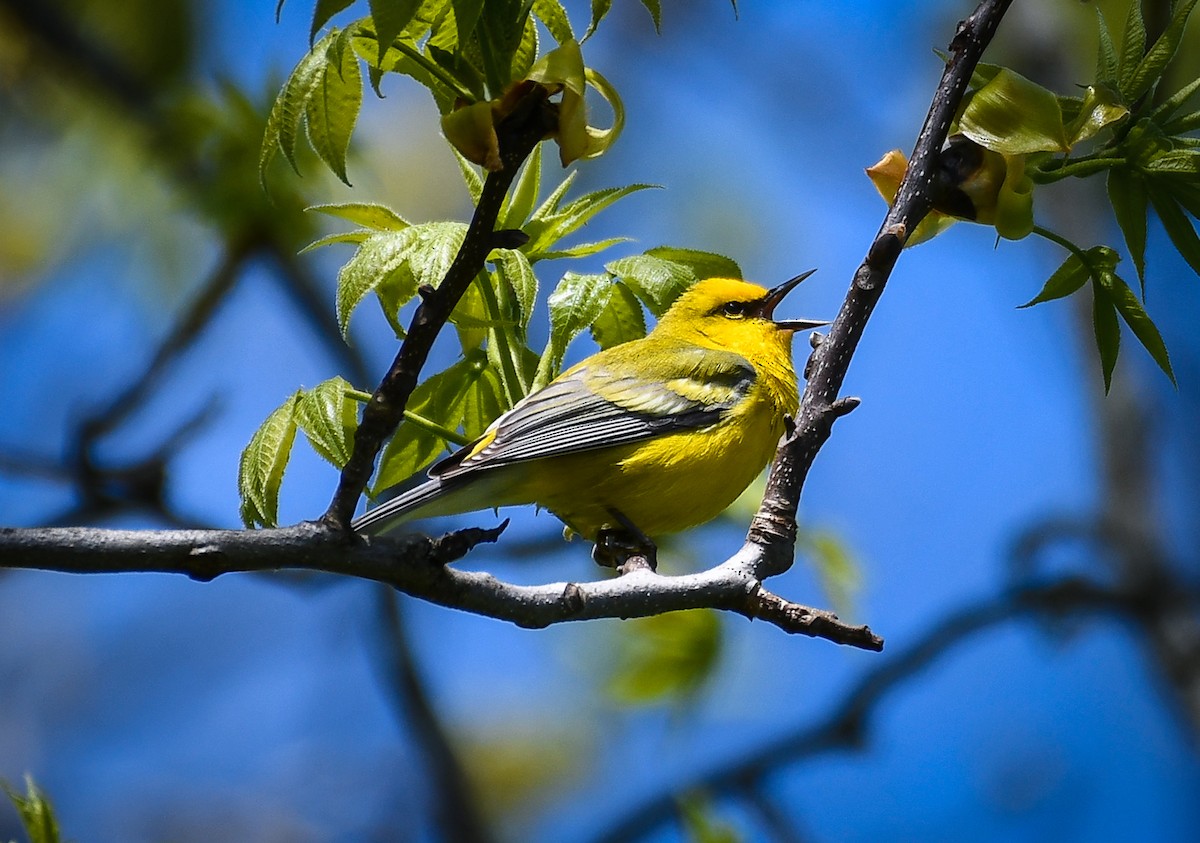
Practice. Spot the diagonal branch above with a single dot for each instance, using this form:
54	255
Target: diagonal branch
773	530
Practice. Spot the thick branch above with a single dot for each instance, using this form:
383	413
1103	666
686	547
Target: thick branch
819	407
416	565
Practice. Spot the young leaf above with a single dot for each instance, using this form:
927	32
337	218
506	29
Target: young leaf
1127	192
264	459
656	281
1167	108
554	16
355	237
329	416
470	175
391	17
582	250
1107	67
367	214
1101	107
574	305
520	201
35	811
483	404
379	258
654	7
545	231
1014	116
440	399
1068	278
517	273
332	110
1138	320
283	123
599	10
322	12
1108	332
1133	44
1179	227
1152	65
466	17
621	320
703	264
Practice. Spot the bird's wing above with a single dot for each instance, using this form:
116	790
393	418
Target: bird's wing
598	404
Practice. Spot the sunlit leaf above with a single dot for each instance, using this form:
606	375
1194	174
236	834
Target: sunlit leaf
621	320
367	214
703	264
1133	44
355	237
260	472
517	273
483	404
379	258
554	16
1107	64
35	811
574	305
1167	108
599	10
328	415
322	12
332	110
1068	278
518	205
545	231
466	18
283	123
1101	107
391	17
1014	116
582	250
656	281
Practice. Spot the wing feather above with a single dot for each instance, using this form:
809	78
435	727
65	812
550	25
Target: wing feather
592	406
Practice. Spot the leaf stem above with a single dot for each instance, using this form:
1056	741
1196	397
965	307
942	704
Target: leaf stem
1080	167
417	420
434	70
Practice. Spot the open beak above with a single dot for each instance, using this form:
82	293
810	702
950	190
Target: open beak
766	308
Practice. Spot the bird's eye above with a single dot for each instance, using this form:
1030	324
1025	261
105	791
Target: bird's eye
734	309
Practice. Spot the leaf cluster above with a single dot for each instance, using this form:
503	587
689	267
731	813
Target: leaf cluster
394	260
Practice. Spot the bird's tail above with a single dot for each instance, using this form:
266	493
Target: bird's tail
407	505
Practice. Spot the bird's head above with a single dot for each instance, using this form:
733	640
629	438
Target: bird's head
734	314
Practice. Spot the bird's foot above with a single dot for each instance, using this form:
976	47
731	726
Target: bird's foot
625	548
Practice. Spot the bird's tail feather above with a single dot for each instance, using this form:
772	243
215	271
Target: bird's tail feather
404	507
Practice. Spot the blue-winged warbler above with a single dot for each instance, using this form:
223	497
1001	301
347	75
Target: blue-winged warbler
658	434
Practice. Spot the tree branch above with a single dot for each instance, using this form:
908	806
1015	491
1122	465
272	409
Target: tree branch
772	532
416	565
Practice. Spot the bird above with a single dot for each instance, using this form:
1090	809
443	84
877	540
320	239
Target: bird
640	440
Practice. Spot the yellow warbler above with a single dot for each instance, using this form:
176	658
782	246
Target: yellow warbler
649	437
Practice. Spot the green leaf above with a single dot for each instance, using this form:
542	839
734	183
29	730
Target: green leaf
466	18
574	305
1180	125
554	16
329	416
621	320
356	237
520	201
1101	107
1133	43
322	12
1108	332
260	472
1152	65
517	273
332	110
1179	227
1127	192
656	281
654	7
35	811
1107	66
441	399
1185	162
1014	116
283	123
545	231
550	204
526	52
367	214
390	18
470	176
599	10
1068	278
666	657
1138	320
379	258
703	264
1163	112
483	403
582	250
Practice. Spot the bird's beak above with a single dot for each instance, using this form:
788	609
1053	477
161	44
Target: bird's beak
766	307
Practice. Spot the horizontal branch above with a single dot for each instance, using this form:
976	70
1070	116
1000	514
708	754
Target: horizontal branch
417	565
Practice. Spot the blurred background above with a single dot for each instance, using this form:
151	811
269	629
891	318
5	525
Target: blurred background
154	310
